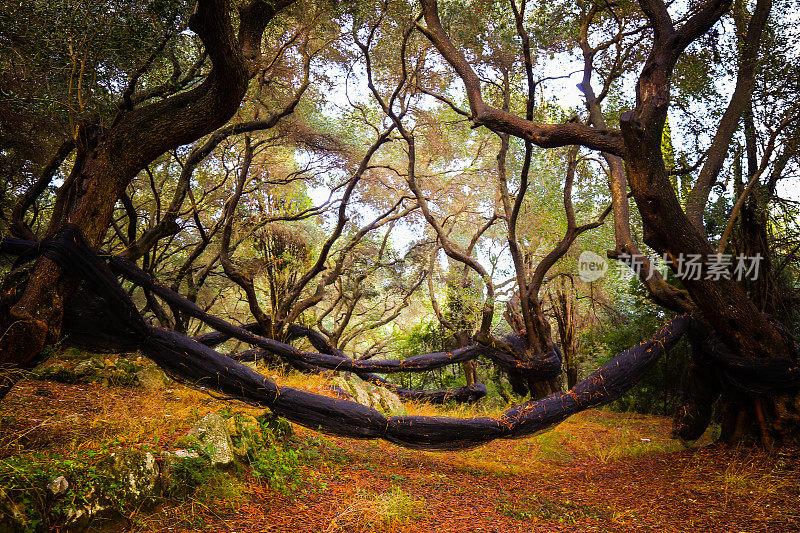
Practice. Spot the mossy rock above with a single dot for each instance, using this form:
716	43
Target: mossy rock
214	440
379	398
56	372
245	432
121	482
119	378
184	471
133	477
151	377
189	442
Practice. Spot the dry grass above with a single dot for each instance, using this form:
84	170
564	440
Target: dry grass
316	383
69	419
598	469
387	511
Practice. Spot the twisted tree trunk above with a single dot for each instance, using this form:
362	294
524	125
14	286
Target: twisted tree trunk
109	159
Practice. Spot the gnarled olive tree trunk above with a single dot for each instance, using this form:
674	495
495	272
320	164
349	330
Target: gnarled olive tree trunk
109	158
722	304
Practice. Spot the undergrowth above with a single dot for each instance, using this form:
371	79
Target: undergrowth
386	511
24	497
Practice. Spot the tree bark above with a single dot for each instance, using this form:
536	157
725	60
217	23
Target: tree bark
723	303
135	139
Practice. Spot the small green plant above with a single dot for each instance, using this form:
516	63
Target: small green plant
26	502
397	507
280	466
266	445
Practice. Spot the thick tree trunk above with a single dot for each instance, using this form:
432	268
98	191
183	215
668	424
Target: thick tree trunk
761	420
723	303
136	138
538	342
716	377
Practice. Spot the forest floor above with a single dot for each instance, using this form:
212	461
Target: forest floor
598	471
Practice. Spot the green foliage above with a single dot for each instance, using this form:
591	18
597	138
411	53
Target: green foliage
658	392
267	448
185	475
64	43
272	455
421	338
280	466
426	337
24	479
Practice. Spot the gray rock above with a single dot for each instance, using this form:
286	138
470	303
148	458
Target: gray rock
390	401
243	424
129	479
178	457
213	435
245	433
58	486
55	372
183	472
379	398
137	472
186	454
79	517
151	377
84	368
134	475
353	389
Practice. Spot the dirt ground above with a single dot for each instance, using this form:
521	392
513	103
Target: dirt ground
598	471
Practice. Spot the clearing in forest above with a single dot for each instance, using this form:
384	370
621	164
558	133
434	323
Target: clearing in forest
598	471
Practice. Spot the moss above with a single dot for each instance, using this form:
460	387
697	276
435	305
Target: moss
183	475
97	481
189	442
